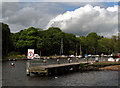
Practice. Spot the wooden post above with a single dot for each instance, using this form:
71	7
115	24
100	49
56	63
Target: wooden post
68	60
56	72
76	57
47	73
77	67
58	62
102	57
27	68
73	68
44	61
68	67
62	69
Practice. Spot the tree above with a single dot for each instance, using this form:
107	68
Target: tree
92	43
49	42
83	43
114	42
104	46
70	42
6	40
25	39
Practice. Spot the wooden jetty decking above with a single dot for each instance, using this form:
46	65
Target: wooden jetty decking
53	69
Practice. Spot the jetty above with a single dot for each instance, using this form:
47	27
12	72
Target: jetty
53	69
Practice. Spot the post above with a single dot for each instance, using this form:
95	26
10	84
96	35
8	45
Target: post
61	47
80	50
102	57
44	61
68	60
47	72
27	68
76	57
74	68
68	68
62	69
40	53
86	56
56	72
58	62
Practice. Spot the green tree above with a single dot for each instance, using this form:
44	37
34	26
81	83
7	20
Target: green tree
51	41
114	42
83	43
104	46
6	40
70	42
92	41
25	39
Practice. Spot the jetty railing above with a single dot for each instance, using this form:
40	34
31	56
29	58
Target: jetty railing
50	67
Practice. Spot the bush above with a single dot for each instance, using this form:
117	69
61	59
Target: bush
19	56
13	53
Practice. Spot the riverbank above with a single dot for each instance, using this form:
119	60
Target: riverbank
114	66
95	66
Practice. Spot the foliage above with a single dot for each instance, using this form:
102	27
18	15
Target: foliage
92	42
107	63
15	55
48	42
6	40
115	45
105	46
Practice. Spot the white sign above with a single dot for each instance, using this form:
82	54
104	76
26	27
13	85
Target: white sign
30	54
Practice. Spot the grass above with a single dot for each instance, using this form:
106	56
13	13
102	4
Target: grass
15	55
97	65
106	63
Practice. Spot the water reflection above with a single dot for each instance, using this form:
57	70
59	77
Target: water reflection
16	76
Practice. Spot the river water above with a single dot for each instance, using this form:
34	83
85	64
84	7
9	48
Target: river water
16	76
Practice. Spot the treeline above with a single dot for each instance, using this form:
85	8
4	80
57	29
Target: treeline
48	42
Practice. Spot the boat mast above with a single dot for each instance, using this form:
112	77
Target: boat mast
61	48
76	50
80	50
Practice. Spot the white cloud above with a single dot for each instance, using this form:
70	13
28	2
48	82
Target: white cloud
0	10
88	19
59	0
67	0
9	8
10	0
23	15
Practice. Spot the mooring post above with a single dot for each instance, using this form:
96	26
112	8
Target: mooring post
68	68
47	72
44	61
102	57
68	60
74	68
78	67
76	57
62	69
58	62
56	72
27	68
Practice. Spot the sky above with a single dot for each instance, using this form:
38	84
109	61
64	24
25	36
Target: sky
79	18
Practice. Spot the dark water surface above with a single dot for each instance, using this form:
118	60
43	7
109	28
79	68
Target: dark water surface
16	76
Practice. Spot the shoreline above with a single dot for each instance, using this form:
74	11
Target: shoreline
112	68
105	65
98	66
